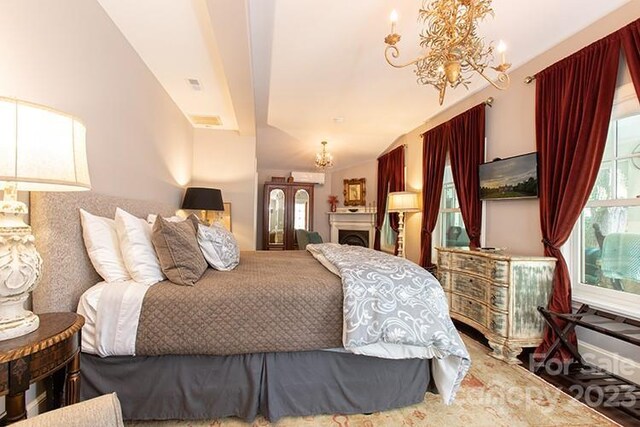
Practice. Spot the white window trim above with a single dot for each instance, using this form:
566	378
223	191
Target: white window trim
617	302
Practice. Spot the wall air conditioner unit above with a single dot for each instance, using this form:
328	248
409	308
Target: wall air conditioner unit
312	177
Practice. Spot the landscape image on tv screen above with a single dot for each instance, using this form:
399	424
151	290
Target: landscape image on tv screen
515	177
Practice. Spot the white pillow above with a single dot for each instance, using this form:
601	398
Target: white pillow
103	247
151	219
218	246
139	256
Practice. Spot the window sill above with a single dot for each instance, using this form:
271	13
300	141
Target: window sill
616	302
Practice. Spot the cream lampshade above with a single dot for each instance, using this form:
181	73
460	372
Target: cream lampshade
41	149
401	202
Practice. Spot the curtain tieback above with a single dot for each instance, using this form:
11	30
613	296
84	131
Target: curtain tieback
550	245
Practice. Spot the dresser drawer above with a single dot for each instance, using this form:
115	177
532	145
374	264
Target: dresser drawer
471	264
499	324
470	286
444	259
499	271
444	277
499	298
469	308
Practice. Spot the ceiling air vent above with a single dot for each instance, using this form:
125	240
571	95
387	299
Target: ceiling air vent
206	120
195	84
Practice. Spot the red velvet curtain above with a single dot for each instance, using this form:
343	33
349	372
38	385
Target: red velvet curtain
466	151
574	98
631	44
390	178
434	155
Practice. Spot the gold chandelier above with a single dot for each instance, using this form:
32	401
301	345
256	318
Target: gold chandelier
454	49
324	159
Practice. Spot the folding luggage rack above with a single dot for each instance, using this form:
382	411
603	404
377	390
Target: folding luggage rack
595	385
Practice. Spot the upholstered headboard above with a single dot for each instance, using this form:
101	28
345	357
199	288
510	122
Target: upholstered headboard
67	270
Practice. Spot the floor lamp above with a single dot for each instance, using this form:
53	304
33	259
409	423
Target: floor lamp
41	149
402	202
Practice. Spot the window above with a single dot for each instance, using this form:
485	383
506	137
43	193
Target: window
450	224
606	257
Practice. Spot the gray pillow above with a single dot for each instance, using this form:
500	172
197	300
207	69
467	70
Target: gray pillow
177	248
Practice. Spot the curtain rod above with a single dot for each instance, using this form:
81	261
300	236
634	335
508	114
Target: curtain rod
488	102
529	79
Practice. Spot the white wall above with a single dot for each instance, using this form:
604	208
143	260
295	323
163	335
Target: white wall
226	160
367	170
70	56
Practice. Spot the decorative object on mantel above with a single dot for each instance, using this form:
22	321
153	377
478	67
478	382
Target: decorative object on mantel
324	159
454	48
401	202
203	200
353	210
333	203
42	150
355	192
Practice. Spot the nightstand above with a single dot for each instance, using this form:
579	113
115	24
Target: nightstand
53	352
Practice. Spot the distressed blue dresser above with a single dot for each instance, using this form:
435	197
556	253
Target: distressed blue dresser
497	294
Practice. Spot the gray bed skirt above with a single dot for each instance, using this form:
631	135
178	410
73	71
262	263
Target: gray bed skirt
273	384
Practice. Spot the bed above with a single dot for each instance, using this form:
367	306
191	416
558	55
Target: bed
314	376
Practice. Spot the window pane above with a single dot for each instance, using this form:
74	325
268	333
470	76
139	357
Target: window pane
450	197
448	176
628	135
611	248
628	178
611	142
603	188
387	236
453	232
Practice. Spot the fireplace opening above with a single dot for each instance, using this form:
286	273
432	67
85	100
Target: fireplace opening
354	237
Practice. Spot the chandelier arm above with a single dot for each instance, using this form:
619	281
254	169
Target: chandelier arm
503	78
395	53
460	39
443	89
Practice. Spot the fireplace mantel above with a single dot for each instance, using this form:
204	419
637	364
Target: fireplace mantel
345	220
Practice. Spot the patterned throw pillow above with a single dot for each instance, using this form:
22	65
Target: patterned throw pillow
178	250
218	246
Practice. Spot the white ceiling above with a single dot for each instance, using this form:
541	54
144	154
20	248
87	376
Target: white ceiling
312	62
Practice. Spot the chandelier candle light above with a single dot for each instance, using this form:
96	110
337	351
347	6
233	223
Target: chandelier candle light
454	49
324	159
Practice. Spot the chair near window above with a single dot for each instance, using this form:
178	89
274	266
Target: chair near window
456	237
304	237
621	258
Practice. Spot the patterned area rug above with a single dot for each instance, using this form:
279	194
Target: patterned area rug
492	394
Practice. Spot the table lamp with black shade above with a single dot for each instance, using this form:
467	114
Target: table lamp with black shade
203	200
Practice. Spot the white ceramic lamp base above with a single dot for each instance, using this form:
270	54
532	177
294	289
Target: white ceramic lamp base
20	269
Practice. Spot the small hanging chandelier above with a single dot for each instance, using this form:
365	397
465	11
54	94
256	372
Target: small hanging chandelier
324	159
453	46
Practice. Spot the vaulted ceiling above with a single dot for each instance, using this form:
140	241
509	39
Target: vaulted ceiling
295	72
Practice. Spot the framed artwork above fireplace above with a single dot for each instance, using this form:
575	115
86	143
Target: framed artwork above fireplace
355	192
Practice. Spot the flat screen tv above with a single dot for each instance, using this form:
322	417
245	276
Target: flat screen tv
511	178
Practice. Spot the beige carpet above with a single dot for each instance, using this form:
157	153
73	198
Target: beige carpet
493	394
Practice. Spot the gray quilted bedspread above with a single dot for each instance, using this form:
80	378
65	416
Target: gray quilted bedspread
273	301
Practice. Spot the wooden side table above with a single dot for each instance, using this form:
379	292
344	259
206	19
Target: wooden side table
42	354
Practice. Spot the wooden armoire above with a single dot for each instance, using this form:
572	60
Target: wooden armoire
287	206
